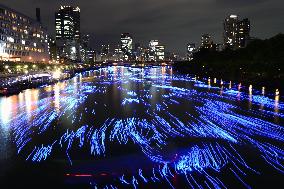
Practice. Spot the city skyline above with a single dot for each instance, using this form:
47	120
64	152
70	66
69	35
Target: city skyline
147	20
141	94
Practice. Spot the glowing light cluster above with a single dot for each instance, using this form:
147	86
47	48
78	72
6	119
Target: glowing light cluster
191	109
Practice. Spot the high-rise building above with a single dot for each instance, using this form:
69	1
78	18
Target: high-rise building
190	50
67	23
87	52
153	44
85	41
160	53
140	52
22	38
105	52
156	51
152	50
90	55
52	49
118	54
244	32
126	46
206	42
236	32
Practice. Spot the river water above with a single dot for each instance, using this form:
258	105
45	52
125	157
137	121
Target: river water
122	127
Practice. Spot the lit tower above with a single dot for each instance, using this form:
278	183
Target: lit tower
126	45
67	26
190	50
206	42
236	32
67	23
153	47
160	52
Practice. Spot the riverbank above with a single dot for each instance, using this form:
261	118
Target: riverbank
245	78
15	85
259	64
258	80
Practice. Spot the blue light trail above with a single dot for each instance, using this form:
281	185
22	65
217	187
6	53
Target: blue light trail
213	122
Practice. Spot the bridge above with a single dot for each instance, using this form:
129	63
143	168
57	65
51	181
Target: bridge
134	63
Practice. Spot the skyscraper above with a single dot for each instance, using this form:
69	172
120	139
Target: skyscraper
90	55
67	23
105	52
160	52
118	54
206	42
190	50
152	49
126	46
52	49
156	51
244	32
87	52
236	32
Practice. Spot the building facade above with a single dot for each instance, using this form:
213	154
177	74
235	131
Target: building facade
236	32
67	28
152	49
87	52
22	38
126	41
190	50
118	54
206	42
156	51
105	53
160	53
52	50
67	23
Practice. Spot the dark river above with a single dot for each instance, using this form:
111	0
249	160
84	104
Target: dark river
122	127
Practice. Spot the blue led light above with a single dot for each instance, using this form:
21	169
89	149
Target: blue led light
209	116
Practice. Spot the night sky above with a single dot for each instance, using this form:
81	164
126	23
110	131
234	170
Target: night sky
174	22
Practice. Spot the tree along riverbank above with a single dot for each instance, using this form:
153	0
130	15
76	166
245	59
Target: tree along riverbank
261	63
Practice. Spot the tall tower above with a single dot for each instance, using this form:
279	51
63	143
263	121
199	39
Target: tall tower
190	50
236	32
243	32
206	41
67	23
152	49
230	31
156	51
126	45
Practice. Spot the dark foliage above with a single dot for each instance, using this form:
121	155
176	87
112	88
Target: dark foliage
261	62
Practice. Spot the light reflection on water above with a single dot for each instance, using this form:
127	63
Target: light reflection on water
6	111
148	108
